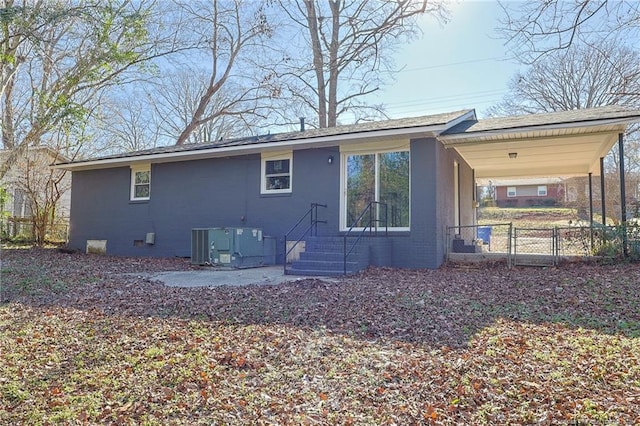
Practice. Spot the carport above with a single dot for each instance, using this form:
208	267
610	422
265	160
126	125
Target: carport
566	144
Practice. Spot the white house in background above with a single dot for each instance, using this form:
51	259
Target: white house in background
533	192
27	178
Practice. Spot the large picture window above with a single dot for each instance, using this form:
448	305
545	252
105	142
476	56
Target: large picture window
382	177
140	183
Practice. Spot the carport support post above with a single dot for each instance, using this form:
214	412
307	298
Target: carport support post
623	196
591	208
602	193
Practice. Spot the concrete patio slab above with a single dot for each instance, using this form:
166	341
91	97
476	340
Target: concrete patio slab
216	277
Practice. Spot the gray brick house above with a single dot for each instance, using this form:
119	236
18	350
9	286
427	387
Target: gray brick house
423	169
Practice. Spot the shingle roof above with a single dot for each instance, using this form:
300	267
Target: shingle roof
542	119
373	126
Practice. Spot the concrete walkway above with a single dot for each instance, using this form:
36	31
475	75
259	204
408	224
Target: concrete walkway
214	277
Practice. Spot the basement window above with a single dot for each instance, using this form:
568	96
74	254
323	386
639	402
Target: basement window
276	173
140	182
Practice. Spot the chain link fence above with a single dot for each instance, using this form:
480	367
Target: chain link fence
492	240
545	246
22	230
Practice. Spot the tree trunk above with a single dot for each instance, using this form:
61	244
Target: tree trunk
8	135
187	132
318	62
332	115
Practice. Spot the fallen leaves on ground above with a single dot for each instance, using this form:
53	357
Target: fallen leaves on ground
89	339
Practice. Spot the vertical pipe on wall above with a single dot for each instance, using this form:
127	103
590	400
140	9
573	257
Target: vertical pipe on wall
473	185
602	193
474	197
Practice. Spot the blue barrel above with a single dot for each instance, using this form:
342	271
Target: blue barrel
484	233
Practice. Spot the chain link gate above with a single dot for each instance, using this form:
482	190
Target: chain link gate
535	246
543	246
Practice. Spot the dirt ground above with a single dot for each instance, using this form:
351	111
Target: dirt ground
380	301
91	339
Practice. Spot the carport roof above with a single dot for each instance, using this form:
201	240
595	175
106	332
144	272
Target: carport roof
566	143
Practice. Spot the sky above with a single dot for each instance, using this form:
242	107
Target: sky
458	65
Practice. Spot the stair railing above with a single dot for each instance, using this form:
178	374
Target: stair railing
375	218
312	213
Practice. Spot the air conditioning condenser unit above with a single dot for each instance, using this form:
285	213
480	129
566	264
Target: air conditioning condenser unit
235	247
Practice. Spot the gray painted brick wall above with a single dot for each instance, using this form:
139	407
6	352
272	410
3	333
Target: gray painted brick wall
225	192
196	194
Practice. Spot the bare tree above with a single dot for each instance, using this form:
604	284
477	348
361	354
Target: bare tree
580	77
20	26
68	62
583	76
176	99
228	33
340	51
43	188
539	27
125	122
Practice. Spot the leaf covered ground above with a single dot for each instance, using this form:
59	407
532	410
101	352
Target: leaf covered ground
90	340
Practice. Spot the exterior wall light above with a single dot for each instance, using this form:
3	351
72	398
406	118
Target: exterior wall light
513	155
330	159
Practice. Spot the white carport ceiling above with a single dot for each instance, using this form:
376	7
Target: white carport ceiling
567	143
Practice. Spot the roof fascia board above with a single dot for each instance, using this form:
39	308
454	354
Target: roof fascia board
470	140
468	116
542	127
322	141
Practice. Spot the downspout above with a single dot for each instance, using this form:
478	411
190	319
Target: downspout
474	198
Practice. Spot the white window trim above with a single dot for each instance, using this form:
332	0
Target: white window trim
373	149
132	189
542	190
275	156
509	190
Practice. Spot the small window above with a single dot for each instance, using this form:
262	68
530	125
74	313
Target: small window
511	191
542	191
140	183
276	174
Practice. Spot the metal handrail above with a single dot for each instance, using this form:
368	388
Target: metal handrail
368	209
313	227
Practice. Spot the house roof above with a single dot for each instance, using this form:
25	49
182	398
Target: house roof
423	126
559	119
55	155
566	143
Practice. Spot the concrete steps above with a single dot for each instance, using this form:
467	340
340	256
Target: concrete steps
324	256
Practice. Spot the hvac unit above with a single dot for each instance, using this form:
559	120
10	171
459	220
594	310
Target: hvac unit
235	247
